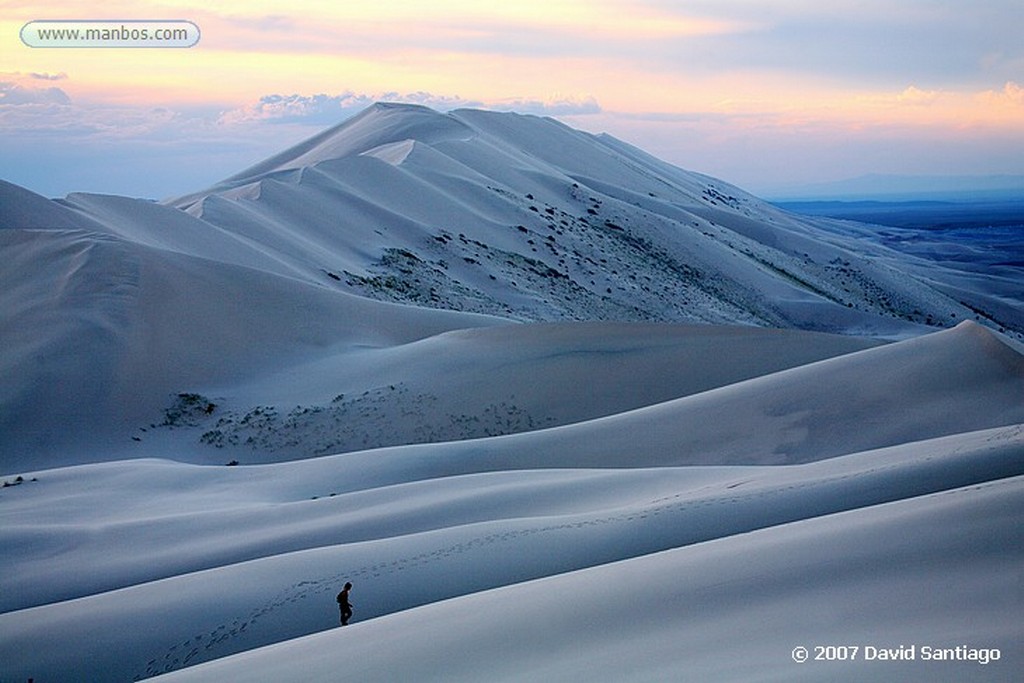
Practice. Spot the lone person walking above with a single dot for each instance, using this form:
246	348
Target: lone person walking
344	605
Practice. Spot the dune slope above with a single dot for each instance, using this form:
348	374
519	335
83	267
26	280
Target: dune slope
421	543
559	410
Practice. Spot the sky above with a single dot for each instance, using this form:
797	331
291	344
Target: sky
766	94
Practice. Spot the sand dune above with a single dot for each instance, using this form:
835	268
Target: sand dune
420	543
728	610
559	410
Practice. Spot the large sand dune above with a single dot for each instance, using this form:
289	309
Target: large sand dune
559	410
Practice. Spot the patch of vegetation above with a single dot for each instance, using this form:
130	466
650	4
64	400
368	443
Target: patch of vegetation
385	416
188	409
715	197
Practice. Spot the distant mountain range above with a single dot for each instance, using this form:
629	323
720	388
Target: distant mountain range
894	188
